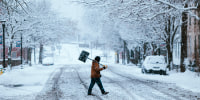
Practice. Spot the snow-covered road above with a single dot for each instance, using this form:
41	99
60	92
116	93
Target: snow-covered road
71	82
68	79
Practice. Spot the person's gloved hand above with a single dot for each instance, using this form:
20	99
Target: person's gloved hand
105	66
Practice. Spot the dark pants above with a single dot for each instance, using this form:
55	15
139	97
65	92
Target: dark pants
93	81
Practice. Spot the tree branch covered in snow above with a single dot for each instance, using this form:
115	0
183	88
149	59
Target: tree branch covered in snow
30	17
35	22
138	12
141	20
177	7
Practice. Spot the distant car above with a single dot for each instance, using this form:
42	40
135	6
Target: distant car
153	64
48	55
48	61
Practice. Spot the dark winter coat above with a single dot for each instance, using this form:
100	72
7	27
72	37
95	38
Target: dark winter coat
95	70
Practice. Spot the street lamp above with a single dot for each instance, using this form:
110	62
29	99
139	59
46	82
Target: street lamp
21	53
3	26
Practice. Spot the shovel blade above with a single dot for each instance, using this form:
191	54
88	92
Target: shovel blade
83	56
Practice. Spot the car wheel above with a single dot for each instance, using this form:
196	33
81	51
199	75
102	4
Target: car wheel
143	71
164	73
161	72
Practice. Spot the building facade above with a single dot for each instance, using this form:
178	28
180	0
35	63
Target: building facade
193	37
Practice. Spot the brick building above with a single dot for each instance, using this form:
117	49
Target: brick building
193	36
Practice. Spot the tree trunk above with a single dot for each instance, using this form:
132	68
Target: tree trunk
169	55
40	53
34	56
117	57
124	54
34	52
29	56
144	48
128	55
9	56
123	58
183	42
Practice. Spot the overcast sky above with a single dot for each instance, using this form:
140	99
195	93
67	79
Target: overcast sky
75	12
67	9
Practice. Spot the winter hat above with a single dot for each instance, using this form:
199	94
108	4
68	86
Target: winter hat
97	58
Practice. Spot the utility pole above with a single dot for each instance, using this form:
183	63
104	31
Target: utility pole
124	53
34	52
21	53
139	55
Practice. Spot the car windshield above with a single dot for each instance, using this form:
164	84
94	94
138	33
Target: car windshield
155	60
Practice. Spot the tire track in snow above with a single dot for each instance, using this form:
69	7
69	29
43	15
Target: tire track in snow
122	87
174	91
138	90
54	93
146	83
128	96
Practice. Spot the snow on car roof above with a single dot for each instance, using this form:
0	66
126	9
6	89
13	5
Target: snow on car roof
156	56
155	59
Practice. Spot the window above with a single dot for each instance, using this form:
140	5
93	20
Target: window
14	54
2	54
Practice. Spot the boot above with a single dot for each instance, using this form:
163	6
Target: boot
90	94
104	93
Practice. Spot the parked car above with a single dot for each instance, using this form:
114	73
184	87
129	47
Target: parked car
48	61
153	64
48	56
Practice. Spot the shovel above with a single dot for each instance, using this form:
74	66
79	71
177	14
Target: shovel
84	56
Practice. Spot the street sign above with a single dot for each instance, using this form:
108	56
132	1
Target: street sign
1	40
18	43
83	56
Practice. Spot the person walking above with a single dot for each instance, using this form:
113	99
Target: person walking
95	76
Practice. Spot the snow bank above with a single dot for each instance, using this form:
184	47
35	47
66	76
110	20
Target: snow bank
187	80
26	81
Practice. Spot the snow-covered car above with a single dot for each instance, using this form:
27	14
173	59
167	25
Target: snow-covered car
48	61
48	55
153	64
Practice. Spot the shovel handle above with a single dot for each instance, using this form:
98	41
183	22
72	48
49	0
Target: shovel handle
95	61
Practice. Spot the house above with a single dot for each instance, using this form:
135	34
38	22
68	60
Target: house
193	37
15	55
